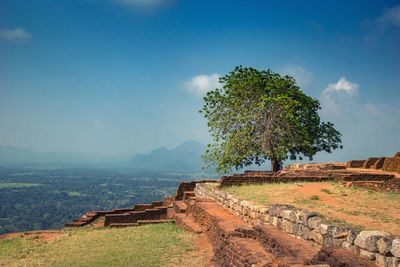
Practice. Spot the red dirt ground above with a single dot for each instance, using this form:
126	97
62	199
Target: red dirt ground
43	235
326	199
315	189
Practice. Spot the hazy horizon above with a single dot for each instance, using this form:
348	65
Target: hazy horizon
102	154
126	77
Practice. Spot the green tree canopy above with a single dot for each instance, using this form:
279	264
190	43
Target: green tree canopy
260	115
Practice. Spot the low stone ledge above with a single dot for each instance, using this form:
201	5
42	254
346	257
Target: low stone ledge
378	246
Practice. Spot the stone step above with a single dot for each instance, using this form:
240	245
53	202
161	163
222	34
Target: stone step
187	222
142	222
188	194
189	198
179	206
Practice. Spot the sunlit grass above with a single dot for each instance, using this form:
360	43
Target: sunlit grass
75	194
150	245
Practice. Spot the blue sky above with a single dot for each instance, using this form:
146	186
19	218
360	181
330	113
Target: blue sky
126	76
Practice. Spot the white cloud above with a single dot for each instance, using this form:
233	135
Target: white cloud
338	96
303	77
143	3
16	34
199	85
343	85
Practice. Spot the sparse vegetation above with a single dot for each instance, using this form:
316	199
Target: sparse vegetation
151	245
325	190
365	209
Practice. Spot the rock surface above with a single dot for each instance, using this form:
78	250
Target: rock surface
368	240
395	250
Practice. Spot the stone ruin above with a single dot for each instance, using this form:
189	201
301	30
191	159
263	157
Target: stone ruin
244	234
382	163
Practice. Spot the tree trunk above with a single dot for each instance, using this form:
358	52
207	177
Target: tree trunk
276	165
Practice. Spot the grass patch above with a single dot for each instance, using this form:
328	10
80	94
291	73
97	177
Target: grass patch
326	190
315	197
149	245
75	194
17	185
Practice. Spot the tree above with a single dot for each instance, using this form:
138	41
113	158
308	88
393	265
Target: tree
260	115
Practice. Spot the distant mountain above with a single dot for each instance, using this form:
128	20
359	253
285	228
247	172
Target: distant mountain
16	155
184	158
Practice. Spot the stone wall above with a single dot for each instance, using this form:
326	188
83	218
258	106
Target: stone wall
302	176
317	166
243	179
377	246
392	185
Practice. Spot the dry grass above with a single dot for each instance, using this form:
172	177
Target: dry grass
151	245
363	208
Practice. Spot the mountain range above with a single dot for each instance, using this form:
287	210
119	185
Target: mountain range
186	157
